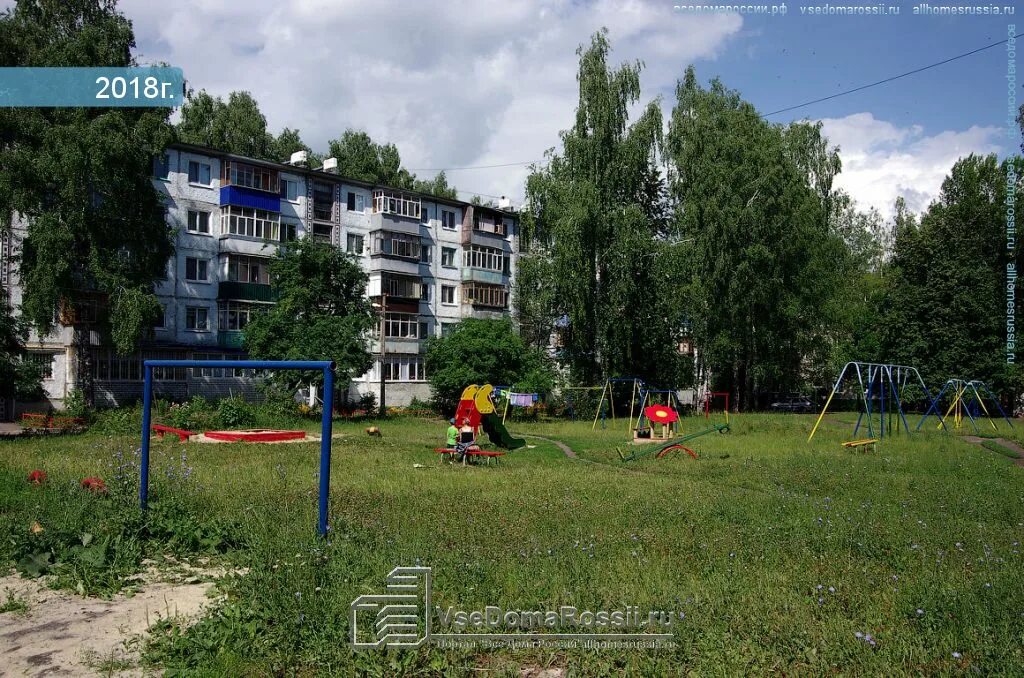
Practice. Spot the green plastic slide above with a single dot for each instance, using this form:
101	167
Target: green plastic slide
498	434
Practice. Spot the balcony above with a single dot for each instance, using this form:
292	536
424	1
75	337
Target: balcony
482	275
245	291
229	339
243	196
383	221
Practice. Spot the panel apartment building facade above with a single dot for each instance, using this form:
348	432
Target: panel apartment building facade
435	261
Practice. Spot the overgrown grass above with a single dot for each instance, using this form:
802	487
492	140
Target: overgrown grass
778	552
1001	449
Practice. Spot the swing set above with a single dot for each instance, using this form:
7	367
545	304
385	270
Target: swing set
637	391
889	384
966	399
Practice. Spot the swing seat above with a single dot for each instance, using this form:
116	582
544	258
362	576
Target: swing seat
866	442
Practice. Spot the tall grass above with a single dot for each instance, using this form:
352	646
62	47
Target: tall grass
779	555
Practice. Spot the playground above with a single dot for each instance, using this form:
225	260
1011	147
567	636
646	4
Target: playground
773	553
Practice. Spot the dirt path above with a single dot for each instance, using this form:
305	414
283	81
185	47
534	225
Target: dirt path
560	445
1008	444
57	633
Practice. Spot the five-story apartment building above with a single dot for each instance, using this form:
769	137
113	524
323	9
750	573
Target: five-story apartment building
430	262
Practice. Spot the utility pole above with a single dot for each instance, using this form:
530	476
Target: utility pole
383	347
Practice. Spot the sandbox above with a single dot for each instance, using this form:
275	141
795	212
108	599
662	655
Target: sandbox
259	435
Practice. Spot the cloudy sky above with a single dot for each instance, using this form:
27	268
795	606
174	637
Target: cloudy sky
465	83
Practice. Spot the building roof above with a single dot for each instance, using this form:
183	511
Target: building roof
330	176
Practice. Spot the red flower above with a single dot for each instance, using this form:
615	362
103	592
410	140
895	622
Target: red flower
37	477
94	484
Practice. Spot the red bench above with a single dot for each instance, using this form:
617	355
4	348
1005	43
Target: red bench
48	422
182	434
487	455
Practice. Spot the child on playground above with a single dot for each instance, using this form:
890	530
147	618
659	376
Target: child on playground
453	434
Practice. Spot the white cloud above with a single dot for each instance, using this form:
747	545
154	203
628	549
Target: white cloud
451	82
882	161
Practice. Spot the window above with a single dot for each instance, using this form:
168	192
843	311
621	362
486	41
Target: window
401	286
198	173
392	368
43	362
162	166
248	269
489	224
404	326
323	232
448	328
447	295
195	269
448	220
219	372
250	176
354	243
426	292
396	203
233	316
404	368
448	257
396	244
290	190
165	373
356	202
426	252
494	296
417	372
249	222
425	214
197	318
161	319
109	366
487	258
323	201
289	231
198	222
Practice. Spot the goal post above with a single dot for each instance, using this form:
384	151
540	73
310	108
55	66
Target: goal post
326	366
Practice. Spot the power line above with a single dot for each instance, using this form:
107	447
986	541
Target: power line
890	79
764	115
474	167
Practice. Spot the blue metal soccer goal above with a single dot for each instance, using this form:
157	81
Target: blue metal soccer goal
325	426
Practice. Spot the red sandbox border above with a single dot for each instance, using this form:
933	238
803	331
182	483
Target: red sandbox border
255	436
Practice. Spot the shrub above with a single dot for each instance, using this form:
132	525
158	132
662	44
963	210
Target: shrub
368	402
235	412
75	404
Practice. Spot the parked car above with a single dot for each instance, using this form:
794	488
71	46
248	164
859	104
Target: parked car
792	404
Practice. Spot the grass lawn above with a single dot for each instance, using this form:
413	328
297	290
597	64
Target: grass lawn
773	554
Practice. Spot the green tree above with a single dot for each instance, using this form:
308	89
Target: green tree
321	314
359	157
287	142
437	186
946	293
236	126
481	351
591	233
755	199
18	377
81	178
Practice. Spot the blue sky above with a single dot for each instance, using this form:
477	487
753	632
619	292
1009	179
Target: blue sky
470	83
789	60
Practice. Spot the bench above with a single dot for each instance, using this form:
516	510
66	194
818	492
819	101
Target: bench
866	443
486	454
182	434
48	422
